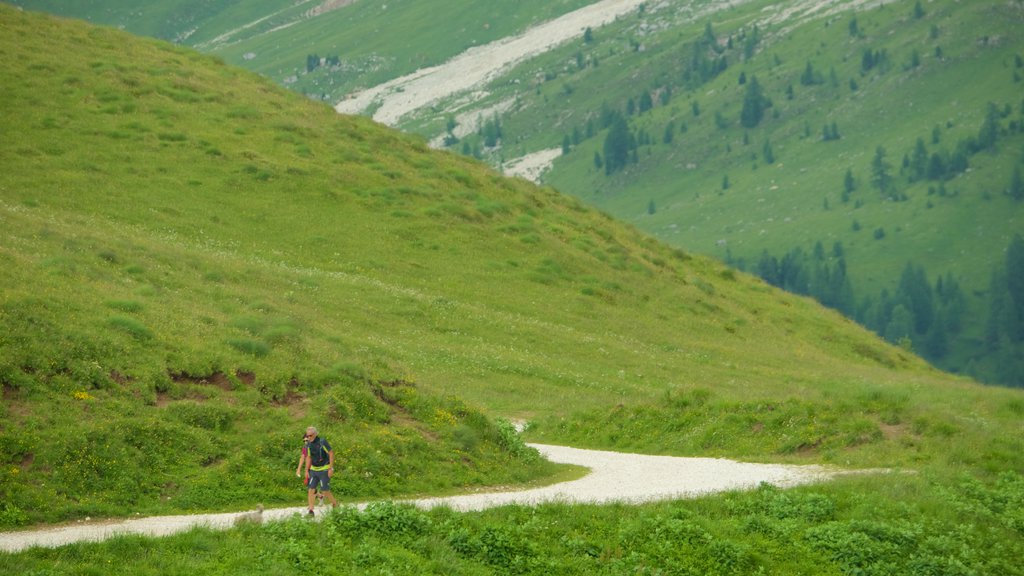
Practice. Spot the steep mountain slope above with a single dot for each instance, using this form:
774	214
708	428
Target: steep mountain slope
356	44
196	261
879	170
843	90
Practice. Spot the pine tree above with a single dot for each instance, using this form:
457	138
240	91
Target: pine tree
491	131
919	161
754	104
809	76
880	175
936	342
1015	287
646	102
989	131
900	326
616	146
709	36
918	10
953	303
768	269
769	155
849	182
916	294
1016	185
936	167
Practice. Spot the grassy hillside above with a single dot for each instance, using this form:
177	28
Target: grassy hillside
711	188
932	85
371	41
197	264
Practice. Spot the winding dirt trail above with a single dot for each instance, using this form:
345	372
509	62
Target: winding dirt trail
475	66
614	477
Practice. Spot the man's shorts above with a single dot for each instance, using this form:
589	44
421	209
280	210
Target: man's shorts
319	479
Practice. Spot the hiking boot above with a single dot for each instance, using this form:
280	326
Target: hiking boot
310	513
319	499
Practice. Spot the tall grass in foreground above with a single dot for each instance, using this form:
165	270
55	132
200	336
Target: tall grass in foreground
883	526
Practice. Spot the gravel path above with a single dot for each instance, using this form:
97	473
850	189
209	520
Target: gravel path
476	65
614	477
532	166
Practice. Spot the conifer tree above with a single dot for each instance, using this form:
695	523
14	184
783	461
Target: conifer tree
919	161
616	146
900	326
989	131
1016	185
916	295
880	175
769	155
754	104
1015	287
646	102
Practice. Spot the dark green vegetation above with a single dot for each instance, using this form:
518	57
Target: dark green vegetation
197	264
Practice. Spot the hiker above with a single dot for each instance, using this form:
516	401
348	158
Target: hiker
300	470
319	467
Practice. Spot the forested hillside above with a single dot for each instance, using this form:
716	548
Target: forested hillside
868	156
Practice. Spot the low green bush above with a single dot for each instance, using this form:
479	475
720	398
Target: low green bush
130	326
205	416
250	346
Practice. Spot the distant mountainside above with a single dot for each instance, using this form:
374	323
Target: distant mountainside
866	154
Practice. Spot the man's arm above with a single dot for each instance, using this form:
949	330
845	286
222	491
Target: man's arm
330	470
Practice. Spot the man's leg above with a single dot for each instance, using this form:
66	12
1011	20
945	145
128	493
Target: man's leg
311	492
330	497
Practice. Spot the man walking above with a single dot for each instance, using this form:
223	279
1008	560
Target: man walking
301	468
319	467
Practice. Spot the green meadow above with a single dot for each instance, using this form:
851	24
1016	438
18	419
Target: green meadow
372	41
198	263
929	91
